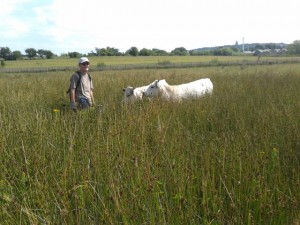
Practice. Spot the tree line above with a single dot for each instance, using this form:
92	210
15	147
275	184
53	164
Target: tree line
133	51
7	54
31	53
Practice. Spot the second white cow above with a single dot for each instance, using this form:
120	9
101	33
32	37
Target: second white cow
193	89
132	94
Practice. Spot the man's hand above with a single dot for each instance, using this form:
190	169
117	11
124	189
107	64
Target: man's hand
93	104
73	105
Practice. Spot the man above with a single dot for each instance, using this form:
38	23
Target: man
81	86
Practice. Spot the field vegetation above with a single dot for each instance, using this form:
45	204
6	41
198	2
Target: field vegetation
231	158
121	60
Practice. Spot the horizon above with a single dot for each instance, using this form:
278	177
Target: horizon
239	44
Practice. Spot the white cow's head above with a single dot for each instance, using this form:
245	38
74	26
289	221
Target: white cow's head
154	89
128	93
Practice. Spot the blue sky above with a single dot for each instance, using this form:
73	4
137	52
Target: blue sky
63	26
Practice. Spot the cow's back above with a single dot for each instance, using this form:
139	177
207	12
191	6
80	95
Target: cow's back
196	88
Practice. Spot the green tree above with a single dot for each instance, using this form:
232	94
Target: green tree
108	51
197	52
45	53
16	55
223	51
145	52
294	48
49	54
179	51
74	54
31	52
5	52
2	63
159	52
101	51
133	51
259	46
112	51
234	48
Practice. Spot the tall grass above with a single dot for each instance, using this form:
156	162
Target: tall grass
231	158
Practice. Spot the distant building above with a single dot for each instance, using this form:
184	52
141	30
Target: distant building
262	52
248	53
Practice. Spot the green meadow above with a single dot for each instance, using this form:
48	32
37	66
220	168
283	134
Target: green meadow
109	60
124	60
229	158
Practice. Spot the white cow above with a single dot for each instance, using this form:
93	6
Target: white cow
132	94
193	89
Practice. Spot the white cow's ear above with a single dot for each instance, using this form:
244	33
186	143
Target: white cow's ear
156	83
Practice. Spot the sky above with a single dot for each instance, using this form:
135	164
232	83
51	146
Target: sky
63	26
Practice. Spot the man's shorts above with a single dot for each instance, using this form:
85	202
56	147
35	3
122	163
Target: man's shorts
83	102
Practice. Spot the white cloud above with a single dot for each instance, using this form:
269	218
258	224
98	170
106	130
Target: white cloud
13	28
9	6
67	25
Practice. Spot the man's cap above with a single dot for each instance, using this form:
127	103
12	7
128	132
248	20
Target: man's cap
83	59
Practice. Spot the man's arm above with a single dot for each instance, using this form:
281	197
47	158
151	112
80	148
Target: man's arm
72	95
92	98
72	99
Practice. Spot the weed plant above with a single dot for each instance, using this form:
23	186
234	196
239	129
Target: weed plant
229	158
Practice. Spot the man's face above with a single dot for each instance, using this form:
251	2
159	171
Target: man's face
84	67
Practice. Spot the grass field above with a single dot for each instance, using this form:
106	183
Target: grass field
231	158
132	60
